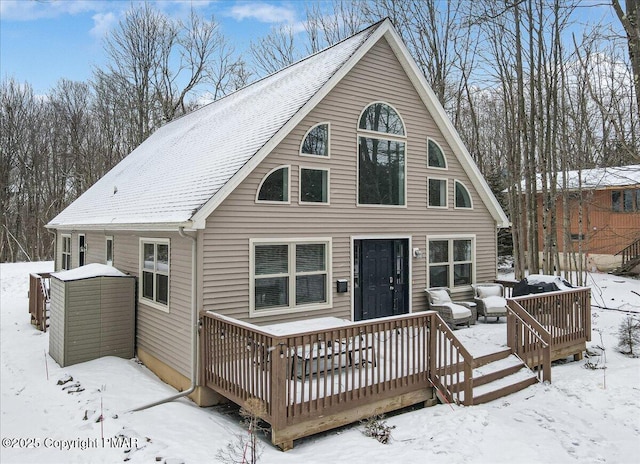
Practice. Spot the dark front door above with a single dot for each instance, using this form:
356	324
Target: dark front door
381	276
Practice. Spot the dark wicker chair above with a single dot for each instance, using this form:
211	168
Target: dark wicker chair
490	300
454	313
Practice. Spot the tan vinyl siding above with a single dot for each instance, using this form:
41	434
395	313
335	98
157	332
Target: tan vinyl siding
166	336
377	77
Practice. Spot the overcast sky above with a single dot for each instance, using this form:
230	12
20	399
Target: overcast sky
42	41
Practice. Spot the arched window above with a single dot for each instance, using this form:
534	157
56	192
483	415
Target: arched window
316	141
380	117
463	199
435	157
275	186
381	157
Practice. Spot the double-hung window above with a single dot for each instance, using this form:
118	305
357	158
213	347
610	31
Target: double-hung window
290	274
154	272
66	252
451	262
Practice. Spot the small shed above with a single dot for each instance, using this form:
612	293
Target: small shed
92	314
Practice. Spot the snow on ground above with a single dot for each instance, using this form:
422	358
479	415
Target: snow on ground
581	417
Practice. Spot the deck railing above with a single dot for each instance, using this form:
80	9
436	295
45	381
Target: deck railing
630	252
320	373
38	299
452	365
565	314
529	340
316	380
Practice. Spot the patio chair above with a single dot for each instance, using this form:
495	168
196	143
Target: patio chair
452	312
490	300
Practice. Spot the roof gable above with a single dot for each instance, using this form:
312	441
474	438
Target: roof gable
184	164
182	172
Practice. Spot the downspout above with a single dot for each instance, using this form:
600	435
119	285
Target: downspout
194	329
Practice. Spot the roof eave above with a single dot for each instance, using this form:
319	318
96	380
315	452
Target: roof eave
134	227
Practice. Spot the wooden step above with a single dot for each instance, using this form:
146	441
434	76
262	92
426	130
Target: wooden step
505	390
489	358
490	372
495	379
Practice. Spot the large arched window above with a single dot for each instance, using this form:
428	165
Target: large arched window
380	117
435	156
381	156
275	186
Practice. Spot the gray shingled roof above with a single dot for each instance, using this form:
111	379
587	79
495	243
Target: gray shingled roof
182	165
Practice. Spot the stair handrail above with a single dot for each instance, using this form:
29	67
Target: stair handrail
443	387
530	358
630	252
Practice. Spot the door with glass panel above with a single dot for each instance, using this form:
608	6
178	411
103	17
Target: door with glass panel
380	278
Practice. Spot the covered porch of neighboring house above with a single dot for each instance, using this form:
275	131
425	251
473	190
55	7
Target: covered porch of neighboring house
339	372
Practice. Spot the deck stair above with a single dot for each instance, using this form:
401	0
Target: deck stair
630	260
494	376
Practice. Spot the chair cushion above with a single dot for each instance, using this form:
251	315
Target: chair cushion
494	304
458	311
439	297
489	290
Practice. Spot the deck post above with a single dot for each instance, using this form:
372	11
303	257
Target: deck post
278	394
468	384
433	346
546	365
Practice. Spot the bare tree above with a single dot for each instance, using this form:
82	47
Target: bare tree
156	63
630	20
274	51
326	26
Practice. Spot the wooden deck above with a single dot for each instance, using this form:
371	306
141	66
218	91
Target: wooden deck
317	380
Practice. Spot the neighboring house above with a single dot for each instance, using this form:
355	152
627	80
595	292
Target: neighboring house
334	187
610	219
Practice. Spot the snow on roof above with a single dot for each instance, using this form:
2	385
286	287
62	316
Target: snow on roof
186	162
599	178
88	271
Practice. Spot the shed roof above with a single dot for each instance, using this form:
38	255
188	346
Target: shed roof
89	271
184	170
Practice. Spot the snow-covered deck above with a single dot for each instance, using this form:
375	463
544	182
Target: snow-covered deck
314	378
